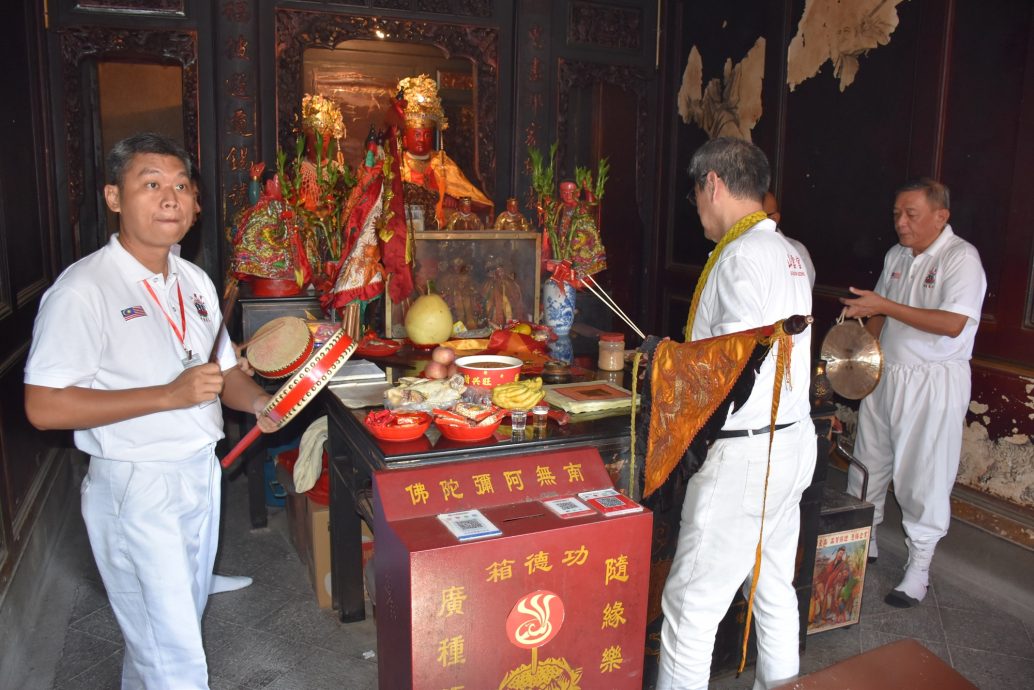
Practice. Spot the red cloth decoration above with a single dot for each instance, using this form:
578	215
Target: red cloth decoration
393	252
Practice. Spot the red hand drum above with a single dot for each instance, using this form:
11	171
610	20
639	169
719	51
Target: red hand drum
299	391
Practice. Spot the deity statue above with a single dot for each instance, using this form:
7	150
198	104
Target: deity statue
464	218
293	234
377	244
572	232
458	289
431	177
511	218
503	297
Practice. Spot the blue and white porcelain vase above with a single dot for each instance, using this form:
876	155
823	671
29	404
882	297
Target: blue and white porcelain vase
558	306
562	349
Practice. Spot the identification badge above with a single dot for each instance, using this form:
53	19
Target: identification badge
192	360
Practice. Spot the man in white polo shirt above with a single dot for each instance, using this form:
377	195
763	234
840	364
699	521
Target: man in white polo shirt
925	310
753	278
129	351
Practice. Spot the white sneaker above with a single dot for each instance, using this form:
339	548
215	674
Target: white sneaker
228	583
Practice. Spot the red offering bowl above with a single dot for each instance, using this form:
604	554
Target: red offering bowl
488	371
378	347
460	432
403	432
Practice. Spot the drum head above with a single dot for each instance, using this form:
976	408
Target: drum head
854	360
280	347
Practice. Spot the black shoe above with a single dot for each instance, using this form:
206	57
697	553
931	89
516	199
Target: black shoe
871	559
900	600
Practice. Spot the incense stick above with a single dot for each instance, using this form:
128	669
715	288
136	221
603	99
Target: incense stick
595	289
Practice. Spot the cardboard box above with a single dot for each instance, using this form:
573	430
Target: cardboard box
309	524
309	528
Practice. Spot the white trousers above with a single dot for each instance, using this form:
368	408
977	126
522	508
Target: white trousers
910	430
721	520
154	531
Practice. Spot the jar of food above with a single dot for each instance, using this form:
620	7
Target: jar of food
612	352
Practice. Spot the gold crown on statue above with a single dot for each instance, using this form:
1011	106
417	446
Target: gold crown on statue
322	115
423	106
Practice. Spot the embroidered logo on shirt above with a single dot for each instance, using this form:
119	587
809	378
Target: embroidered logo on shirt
199	304
130	313
795	265
896	275
931	278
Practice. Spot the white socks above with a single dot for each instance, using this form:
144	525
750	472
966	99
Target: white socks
228	583
914	585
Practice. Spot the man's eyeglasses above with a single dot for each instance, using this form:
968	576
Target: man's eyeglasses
698	185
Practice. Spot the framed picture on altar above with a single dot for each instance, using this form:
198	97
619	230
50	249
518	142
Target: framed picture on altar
487	277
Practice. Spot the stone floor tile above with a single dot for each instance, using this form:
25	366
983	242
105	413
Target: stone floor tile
300	620
101	623
217	634
89	597
80	654
990	631
826	648
921	623
257	658
745	681
103	673
247	606
990	671
326	670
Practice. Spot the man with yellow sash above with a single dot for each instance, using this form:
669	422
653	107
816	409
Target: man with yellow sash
754	474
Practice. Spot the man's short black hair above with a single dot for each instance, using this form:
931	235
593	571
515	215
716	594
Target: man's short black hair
145	142
741	165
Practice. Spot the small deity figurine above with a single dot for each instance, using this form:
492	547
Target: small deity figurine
422	166
464	218
262	241
572	231
511	219
459	291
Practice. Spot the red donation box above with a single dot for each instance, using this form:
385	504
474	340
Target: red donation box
524	598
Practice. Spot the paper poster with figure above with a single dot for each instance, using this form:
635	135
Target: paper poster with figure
836	588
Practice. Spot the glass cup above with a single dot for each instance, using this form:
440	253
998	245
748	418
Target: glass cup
541	412
518	420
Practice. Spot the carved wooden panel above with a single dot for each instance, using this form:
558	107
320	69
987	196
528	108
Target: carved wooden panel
465	8
534	126
237	113
297	30
79	44
572	74
136	7
605	26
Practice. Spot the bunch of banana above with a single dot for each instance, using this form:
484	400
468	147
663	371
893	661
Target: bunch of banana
519	395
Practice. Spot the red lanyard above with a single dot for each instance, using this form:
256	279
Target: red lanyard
180	334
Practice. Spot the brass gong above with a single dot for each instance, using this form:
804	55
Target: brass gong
854	360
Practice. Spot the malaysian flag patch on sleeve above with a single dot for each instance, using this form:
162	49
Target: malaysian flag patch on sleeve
133	312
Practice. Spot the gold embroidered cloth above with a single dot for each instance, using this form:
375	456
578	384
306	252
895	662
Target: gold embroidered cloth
689	381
